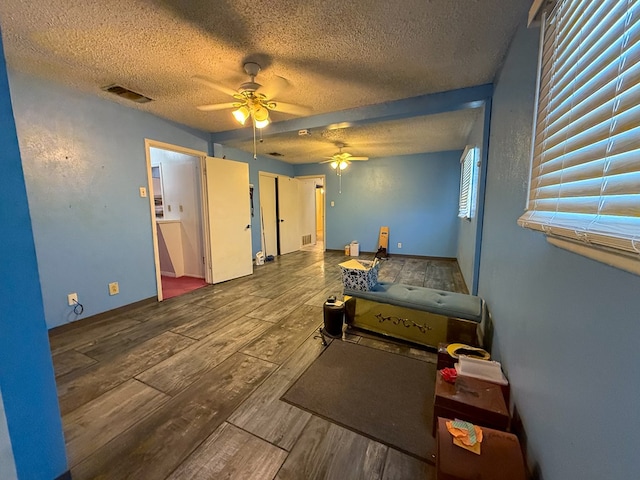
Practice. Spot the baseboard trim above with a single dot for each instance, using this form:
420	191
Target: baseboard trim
109	313
420	257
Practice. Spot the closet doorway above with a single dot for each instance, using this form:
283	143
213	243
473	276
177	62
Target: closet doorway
279	214
291	213
313	213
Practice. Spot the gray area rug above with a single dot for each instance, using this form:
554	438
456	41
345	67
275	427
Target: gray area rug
384	396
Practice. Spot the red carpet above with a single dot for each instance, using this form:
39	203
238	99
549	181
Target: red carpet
172	287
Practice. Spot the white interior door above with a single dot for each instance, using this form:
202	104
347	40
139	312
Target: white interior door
289	214
227	219
269	225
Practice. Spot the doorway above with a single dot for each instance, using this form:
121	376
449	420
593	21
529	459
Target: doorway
313	212
279	214
292	212
177	227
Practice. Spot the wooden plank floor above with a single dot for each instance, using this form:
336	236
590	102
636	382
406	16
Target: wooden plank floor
190	388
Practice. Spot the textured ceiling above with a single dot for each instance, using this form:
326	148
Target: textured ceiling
336	55
435	133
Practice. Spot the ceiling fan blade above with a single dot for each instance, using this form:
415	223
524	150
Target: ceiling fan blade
216	106
327	161
358	158
292	109
213	84
274	87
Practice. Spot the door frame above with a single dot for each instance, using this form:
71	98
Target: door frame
148	143
323	177
324	207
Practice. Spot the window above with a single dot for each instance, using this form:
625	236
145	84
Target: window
585	171
467	182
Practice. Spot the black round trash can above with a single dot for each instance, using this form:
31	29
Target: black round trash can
333	317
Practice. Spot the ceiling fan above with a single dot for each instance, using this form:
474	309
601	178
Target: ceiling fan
252	100
341	160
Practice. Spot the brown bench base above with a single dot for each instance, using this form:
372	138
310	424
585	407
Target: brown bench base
500	457
416	326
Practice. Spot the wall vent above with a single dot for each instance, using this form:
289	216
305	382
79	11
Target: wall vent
126	93
276	154
306	240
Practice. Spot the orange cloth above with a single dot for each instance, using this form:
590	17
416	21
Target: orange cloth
465	435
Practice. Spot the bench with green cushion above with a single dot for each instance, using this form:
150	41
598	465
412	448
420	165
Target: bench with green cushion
418	314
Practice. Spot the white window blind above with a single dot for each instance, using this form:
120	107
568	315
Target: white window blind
467	180
585	170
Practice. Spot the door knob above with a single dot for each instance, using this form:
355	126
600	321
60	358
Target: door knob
282	220
249	226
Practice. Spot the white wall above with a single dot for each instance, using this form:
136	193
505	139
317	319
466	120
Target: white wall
7	465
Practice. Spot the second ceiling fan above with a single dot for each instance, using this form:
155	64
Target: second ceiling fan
341	160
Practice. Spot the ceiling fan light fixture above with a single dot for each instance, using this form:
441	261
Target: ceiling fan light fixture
343	165
262	123
241	114
334	164
260	113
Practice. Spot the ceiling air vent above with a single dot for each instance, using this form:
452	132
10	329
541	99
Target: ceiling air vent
275	154
126	93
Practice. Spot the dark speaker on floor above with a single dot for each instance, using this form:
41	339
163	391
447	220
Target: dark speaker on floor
333	317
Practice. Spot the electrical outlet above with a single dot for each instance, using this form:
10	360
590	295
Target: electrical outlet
114	288
72	299
399	245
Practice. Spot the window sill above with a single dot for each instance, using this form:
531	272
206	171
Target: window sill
624	261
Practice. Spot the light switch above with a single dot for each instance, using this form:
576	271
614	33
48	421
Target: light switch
333	204
143	192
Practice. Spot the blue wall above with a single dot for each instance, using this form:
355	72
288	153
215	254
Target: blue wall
416	196
567	327
26	371
84	161
466	253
